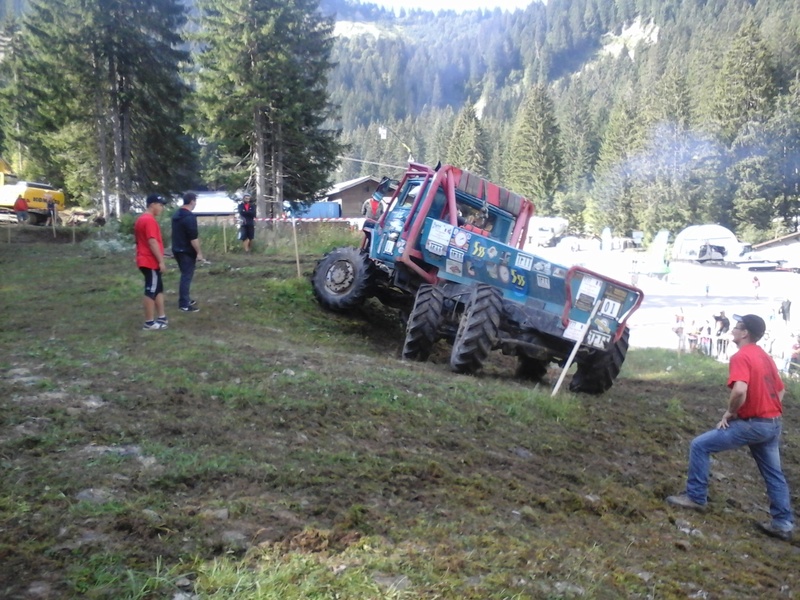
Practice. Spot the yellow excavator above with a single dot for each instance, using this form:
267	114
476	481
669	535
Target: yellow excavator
35	194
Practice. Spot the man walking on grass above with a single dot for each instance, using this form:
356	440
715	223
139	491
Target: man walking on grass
150	260
186	249
753	419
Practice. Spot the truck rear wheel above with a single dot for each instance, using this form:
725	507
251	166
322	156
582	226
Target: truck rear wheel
597	371
423	323
531	369
343	279
478	330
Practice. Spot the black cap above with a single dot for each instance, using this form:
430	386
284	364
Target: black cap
754	325
155	198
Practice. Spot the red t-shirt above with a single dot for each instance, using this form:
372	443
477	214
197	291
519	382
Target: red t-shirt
146	227
757	369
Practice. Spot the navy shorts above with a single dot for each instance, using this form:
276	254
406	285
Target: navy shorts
153	286
247	232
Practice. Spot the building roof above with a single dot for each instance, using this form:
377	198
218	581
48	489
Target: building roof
784	240
338	188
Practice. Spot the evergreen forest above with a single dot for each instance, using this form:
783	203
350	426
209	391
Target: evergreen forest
639	115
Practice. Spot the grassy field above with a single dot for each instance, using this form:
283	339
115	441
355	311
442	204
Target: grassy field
263	448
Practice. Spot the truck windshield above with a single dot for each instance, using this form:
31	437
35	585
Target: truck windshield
408	194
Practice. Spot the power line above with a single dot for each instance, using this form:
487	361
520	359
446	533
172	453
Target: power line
370	162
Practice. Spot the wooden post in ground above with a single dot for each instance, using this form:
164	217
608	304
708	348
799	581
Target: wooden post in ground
224	236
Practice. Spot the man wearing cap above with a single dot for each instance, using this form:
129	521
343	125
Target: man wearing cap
247	214
753	419
186	249
150	260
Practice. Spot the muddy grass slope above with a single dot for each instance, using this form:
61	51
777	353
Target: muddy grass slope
264	448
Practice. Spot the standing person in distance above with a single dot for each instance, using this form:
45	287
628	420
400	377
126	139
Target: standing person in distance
150	260
753	419
52	211
723	324
186	249
247	215
21	208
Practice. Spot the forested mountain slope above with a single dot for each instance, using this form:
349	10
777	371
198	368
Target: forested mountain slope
667	113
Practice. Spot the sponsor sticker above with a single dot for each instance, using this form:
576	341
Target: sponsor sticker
441	233
435	247
456	254
584	302
454	268
598	339
590	286
574	330
542	267
543	281
603	325
524	262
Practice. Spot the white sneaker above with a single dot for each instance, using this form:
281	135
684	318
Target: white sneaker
154	325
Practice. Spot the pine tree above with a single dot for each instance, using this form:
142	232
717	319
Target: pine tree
757	182
613	199
262	93
533	164
112	67
746	86
578	139
469	148
784	134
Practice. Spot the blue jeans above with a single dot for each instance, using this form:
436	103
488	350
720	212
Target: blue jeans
186	263
762	437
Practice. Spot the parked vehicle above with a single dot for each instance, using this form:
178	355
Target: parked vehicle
36	195
448	253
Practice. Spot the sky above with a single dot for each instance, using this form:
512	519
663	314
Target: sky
458	5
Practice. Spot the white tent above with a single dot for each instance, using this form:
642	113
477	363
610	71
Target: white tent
688	242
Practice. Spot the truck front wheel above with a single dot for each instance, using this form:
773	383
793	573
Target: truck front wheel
423	323
478	330
343	279
598	370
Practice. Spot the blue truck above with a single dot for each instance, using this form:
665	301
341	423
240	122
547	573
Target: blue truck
448	253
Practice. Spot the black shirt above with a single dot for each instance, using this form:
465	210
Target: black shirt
184	230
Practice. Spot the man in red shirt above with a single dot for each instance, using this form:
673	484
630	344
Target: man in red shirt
150	260
21	208
753	419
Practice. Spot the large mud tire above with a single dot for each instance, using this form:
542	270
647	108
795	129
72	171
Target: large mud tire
343	279
423	323
597	371
531	369
478	330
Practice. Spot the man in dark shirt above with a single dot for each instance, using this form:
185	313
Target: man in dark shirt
247	215
186	249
